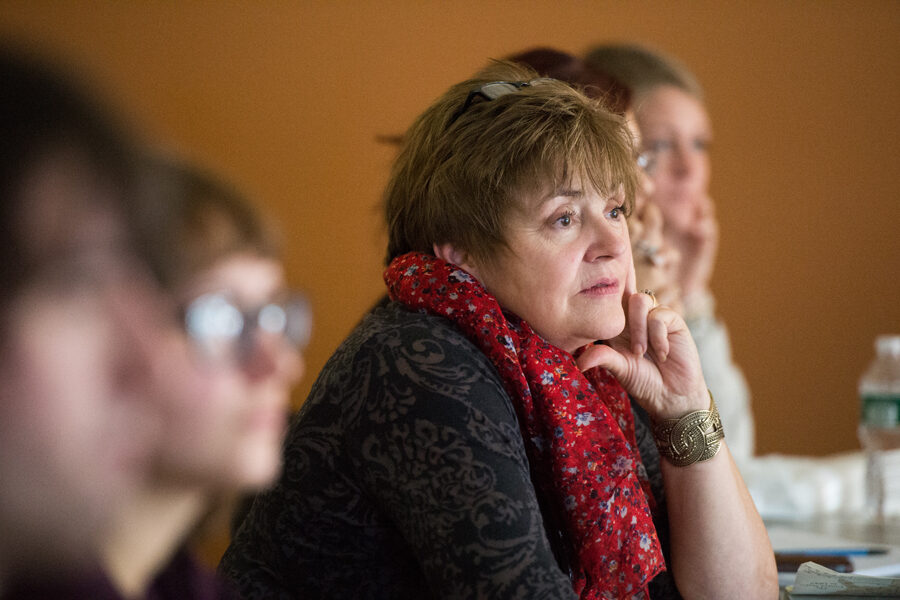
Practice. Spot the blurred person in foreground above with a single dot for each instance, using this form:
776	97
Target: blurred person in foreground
85	353
219	261
454	446
676	127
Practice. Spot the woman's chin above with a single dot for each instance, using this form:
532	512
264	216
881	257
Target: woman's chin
261	472
609	326
612	326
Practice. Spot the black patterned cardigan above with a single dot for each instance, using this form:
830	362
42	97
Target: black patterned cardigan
406	477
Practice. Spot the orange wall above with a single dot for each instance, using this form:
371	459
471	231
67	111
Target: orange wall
287	99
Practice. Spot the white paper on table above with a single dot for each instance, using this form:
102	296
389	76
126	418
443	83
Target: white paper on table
786	539
816	580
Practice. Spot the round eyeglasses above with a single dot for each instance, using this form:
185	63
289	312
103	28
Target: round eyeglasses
222	329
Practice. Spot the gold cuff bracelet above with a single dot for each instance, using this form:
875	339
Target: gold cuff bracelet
694	437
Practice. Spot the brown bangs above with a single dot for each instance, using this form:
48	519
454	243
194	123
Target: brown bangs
460	172
591	145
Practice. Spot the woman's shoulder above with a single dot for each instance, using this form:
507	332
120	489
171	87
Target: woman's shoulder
406	364
396	336
394	321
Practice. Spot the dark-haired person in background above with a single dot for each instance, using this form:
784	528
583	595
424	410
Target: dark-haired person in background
83	353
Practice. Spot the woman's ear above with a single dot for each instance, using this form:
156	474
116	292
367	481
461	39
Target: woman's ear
451	254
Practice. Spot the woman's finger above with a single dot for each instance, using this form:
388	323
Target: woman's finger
658	322
629	288
639	306
630	284
603	356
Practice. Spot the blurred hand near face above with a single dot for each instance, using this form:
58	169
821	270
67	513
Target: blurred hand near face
699	245
677	130
656	262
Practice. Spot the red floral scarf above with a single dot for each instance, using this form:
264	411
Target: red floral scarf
578	429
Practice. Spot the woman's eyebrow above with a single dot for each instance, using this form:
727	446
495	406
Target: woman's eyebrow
563	192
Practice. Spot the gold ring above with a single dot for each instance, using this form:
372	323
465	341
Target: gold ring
652	297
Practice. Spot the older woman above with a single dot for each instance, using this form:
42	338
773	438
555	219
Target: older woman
453	447
657	262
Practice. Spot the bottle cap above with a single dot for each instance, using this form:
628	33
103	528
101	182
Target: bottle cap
888	345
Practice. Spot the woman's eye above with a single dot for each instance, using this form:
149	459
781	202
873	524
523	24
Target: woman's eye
702	145
617	212
659	145
565	220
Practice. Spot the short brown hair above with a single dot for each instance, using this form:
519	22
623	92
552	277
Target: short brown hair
643	69
458	175
189	219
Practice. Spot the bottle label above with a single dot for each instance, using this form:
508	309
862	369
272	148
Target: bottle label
881	410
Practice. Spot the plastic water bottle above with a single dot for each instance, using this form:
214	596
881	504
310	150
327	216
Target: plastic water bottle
879	427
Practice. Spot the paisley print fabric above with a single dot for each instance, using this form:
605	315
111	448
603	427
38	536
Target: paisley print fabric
405	477
578	430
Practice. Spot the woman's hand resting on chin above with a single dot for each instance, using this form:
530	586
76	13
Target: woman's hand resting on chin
654	358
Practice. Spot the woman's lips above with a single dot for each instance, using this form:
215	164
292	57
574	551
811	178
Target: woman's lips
603	287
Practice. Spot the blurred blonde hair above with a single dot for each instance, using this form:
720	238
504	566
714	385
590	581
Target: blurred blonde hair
642	69
458	175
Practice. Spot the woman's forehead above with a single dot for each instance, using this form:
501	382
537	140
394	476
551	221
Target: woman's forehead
247	276
669	105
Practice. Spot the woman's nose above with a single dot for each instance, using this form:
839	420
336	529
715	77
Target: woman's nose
269	355
609	239
684	159
260	355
